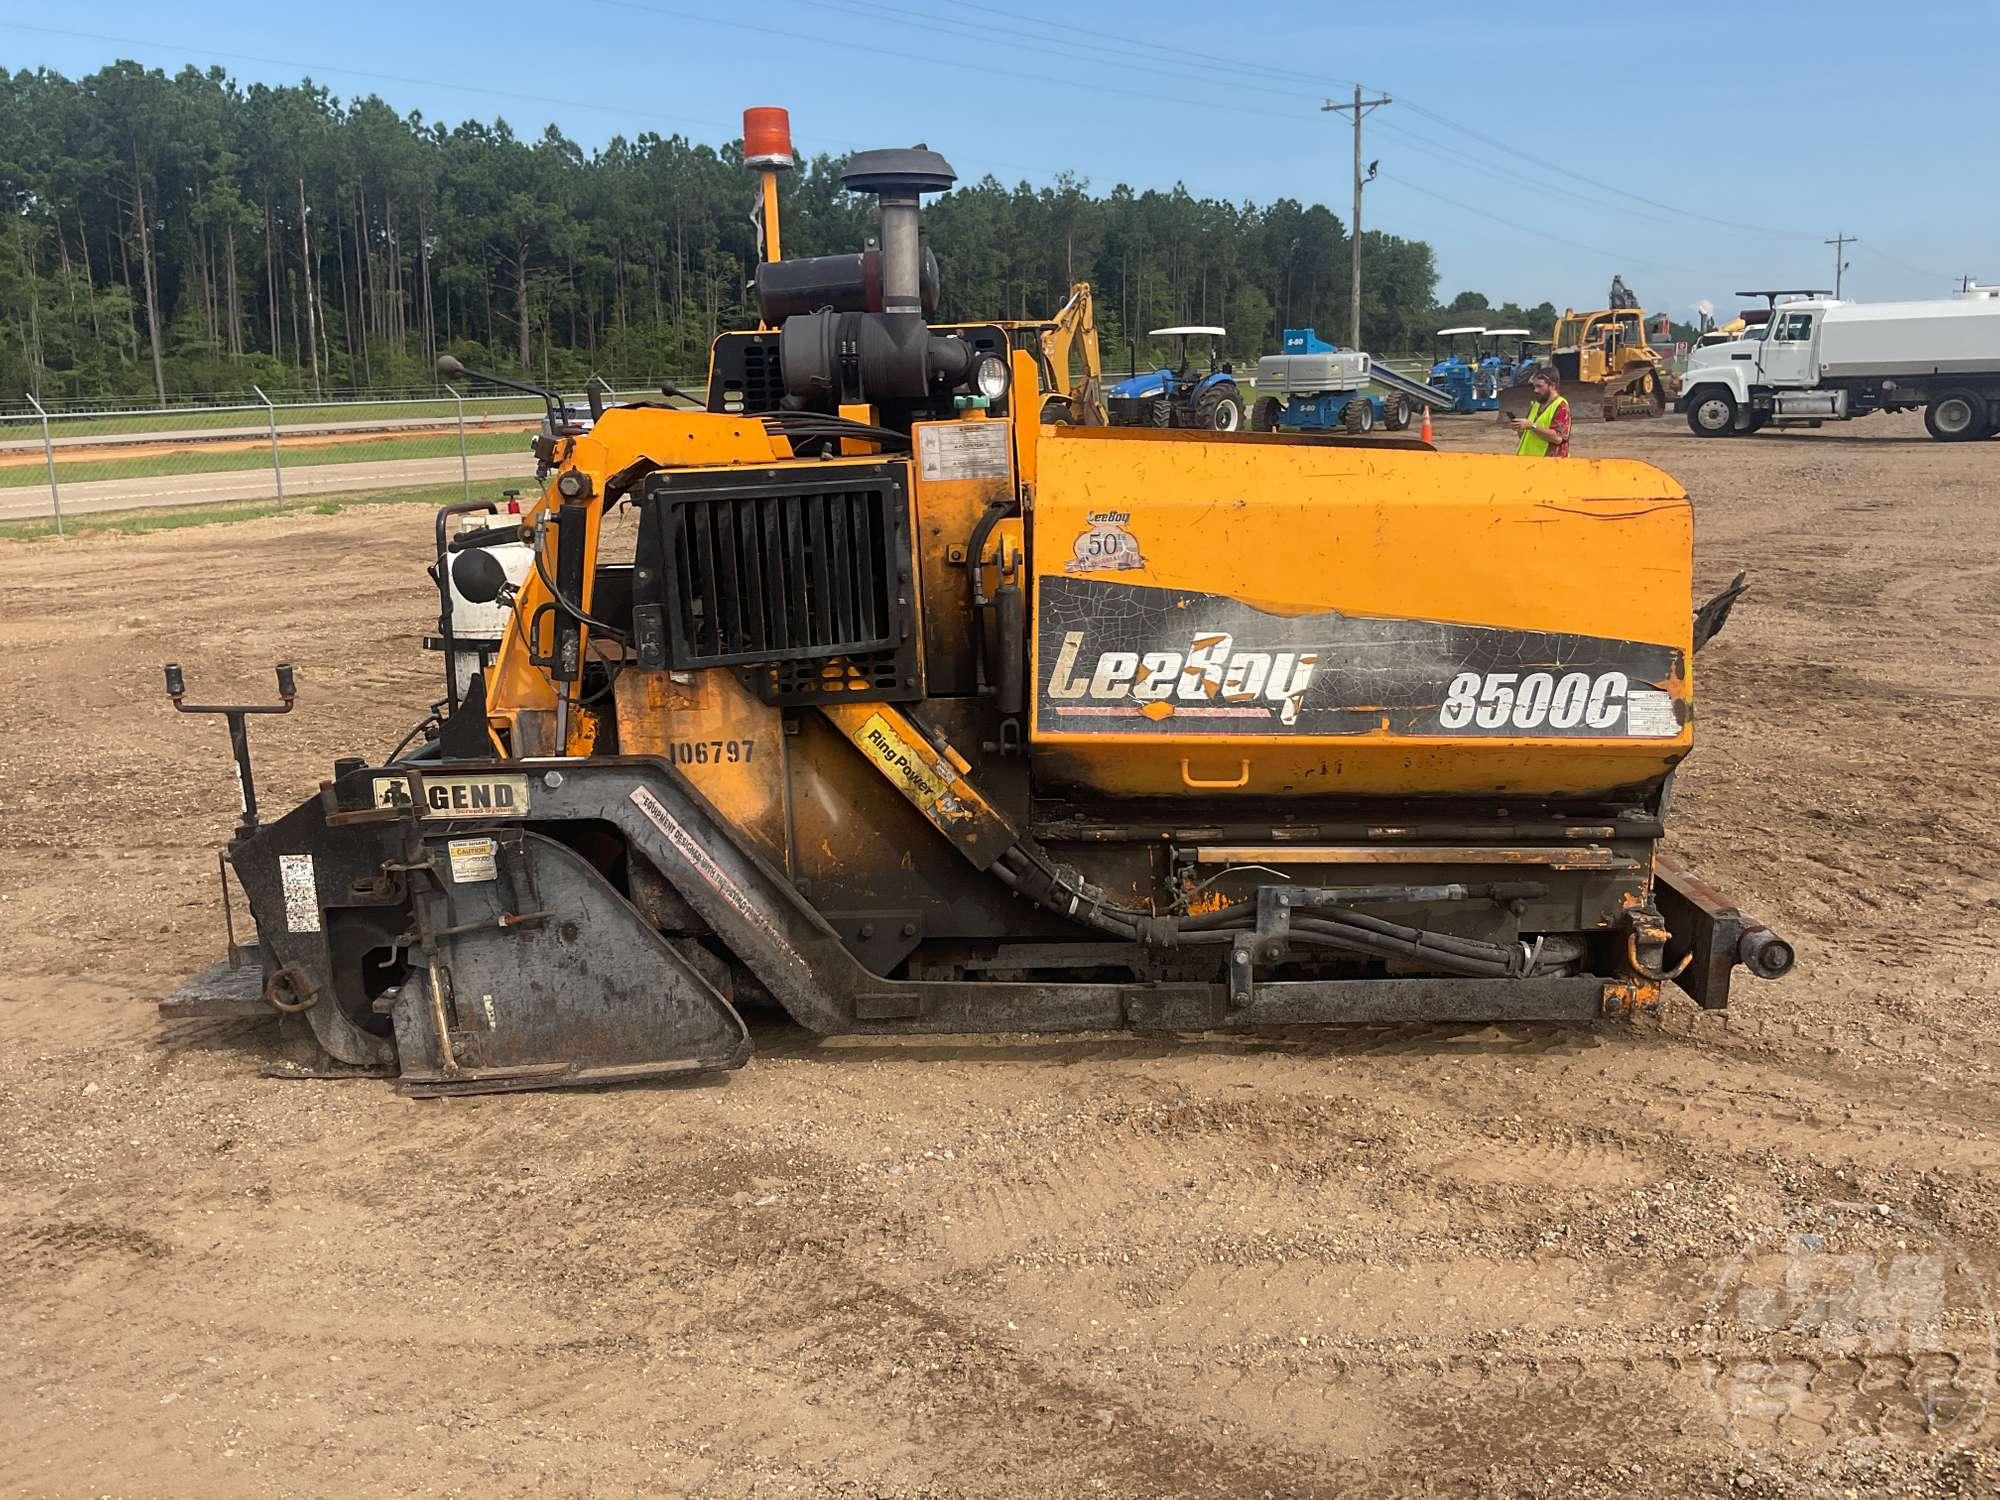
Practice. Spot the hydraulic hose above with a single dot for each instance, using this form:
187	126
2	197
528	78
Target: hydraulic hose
1027	871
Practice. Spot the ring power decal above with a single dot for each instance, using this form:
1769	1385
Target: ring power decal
1121	658
1107	547
924	779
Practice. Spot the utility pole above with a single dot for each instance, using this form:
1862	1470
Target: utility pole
1358	108
1840	242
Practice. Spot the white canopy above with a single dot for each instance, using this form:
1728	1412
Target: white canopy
1507	333
1167	333
1445	333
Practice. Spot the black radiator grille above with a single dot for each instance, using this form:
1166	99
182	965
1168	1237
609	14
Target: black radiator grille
770	574
746	376
763	377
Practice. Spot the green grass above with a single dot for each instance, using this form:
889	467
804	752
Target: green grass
205	420
80	470
178	517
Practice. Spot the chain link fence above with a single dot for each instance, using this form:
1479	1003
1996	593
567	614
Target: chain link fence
57	464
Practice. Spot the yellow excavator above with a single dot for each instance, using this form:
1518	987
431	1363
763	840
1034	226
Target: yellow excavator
1606	363
861	694
1070	369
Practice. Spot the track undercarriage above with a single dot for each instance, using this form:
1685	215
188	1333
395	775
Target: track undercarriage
613	930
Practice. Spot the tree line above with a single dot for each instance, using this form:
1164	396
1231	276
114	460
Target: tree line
187	236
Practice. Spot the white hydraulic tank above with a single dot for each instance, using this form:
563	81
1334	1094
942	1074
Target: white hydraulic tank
478	628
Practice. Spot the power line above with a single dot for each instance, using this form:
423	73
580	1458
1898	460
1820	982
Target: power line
1128	53
700	18
1456	157
1876	251
1122	55
1543	234
726	129
1199	71
1679	213
1206	63
305	70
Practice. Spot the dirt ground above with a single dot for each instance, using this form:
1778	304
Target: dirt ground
1386	1261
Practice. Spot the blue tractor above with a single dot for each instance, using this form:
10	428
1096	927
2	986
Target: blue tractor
1505	352
1182	396
1458	374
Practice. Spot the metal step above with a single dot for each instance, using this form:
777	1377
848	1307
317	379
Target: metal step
219	990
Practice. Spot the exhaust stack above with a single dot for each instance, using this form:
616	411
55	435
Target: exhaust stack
898	178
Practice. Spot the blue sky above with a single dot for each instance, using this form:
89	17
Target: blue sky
1735	149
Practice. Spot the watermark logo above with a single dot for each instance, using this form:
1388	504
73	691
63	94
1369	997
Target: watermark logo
1850	1346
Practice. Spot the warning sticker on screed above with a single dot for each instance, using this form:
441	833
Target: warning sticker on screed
301	892
963	450
704	865
1649	714
472	860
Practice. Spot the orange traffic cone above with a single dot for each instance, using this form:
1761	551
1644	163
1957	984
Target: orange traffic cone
1425	433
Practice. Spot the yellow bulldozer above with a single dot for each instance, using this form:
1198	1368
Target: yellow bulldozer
892	708
1606	362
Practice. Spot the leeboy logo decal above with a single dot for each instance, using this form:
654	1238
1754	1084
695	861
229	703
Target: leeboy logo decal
1211	673
1107	547
1118	657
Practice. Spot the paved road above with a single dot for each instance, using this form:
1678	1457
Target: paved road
32	502
475	421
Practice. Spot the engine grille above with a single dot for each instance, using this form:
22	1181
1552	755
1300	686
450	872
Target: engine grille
804	579
1131	411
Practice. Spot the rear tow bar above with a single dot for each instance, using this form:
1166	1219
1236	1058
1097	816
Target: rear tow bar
1714	936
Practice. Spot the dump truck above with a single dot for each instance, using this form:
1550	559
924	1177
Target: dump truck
1821	360
896	711
1606	363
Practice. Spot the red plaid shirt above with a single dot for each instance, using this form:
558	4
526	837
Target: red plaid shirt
1559	425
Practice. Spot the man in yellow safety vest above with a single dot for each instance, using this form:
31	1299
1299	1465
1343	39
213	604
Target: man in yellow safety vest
1545	430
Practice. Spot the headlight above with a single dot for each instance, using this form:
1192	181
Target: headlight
991	379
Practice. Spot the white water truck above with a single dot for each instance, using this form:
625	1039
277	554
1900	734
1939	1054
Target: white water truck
1820	360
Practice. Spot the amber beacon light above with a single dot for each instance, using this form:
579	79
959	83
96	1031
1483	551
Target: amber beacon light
767	148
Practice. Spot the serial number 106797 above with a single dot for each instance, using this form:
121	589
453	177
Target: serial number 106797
709	752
